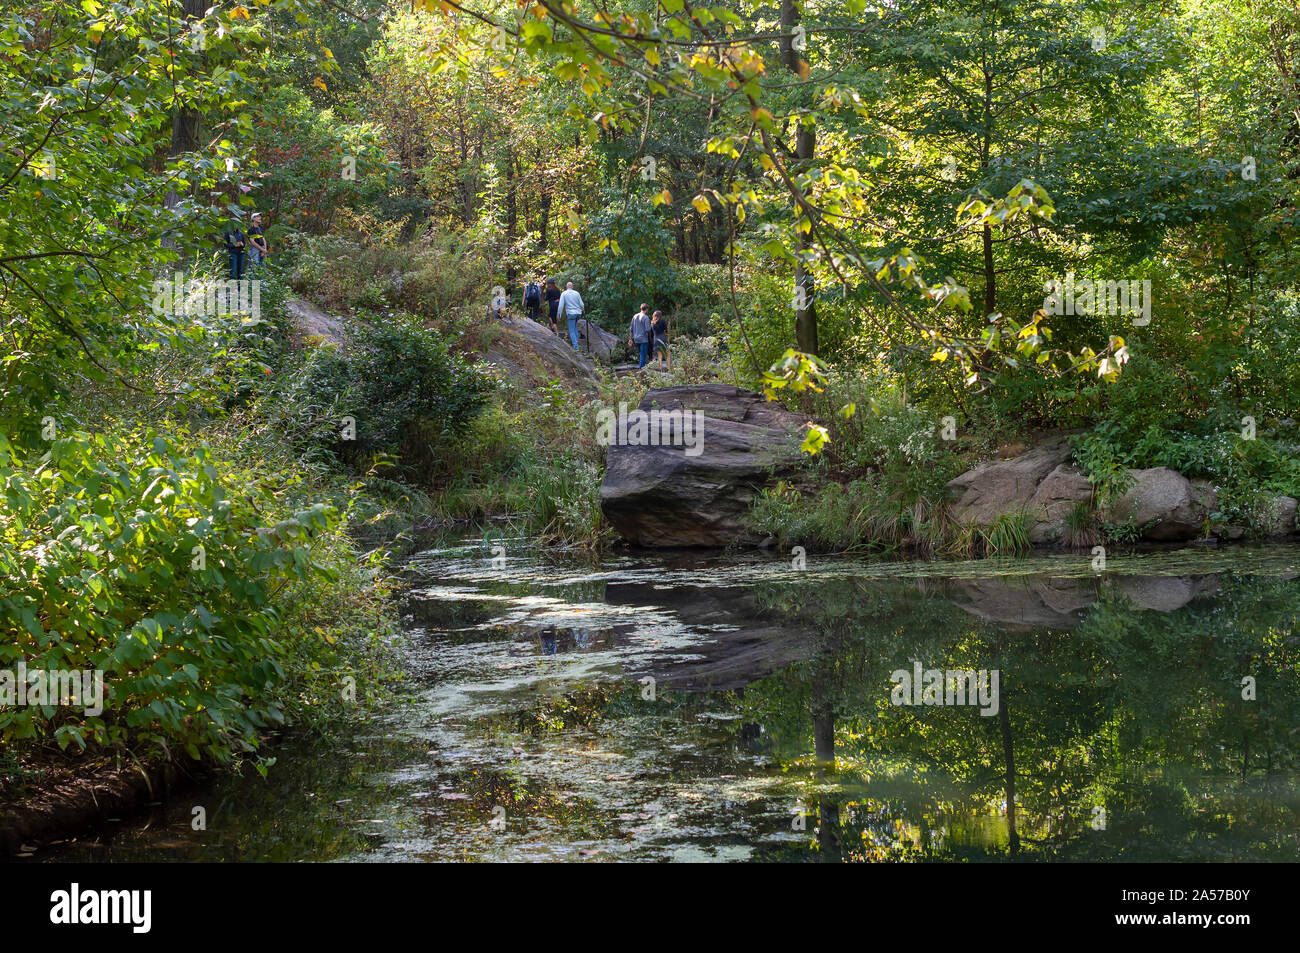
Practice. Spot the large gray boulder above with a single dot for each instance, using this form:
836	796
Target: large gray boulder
1165	504
595	341
1042	483
312	326
529	354
1062	490
697	491
1280	517
1039	482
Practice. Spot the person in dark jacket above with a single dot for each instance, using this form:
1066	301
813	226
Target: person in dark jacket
235	244
532	300
553	304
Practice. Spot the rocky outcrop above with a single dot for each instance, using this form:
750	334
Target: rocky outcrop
311	325
1039	482
1161	505
595	341
528	353
1281	521
683	469
1061	491
1164	504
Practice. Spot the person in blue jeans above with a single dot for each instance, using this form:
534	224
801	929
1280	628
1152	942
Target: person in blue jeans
257	249
235	242
571	307
640	335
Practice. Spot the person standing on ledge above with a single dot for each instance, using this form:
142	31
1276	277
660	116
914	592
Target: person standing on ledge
257	248
571	307
533	300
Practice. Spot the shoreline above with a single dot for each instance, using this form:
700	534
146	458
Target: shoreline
65	802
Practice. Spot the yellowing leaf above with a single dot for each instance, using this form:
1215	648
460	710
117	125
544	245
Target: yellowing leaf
815	439
320	83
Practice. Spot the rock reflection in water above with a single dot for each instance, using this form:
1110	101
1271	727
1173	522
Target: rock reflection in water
716	707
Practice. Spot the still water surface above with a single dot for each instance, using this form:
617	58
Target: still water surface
732	707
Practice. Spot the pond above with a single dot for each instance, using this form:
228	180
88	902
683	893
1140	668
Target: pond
753	706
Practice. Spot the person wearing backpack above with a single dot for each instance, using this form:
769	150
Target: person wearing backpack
533	300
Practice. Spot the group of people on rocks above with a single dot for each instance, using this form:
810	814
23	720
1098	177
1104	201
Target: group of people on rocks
648	332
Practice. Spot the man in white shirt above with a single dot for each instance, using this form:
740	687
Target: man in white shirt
571	307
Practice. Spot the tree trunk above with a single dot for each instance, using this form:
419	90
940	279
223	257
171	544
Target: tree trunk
187	122
512	217
1009	758
805	315
986	153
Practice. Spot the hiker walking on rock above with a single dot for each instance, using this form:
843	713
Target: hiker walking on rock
640	335
571	307
532	301
659	331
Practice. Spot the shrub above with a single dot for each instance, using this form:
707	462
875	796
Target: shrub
701	292
637	270
885	434
405	392
427	277
135	558
764	299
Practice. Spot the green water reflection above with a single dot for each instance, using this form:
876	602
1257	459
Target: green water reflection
732	707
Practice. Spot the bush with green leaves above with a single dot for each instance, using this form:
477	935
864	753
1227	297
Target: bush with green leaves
1246	473
631	264
403	391
701	292
431	276
142	560
884	433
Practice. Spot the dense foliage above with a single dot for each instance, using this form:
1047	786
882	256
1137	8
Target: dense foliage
875	199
